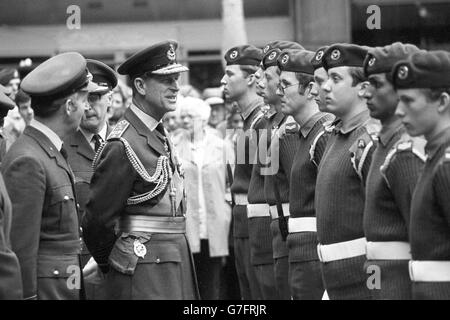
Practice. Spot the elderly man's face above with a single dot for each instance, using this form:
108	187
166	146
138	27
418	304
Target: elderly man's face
94	117
161	93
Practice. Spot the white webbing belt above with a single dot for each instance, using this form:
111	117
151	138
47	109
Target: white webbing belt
341	250
388	250
304	224
258	210
274	210
241	199
429	271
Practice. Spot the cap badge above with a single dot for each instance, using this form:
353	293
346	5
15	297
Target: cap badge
266	48
233	54
402	72
285	59
371	61
272	55
319	55
171	55
336	54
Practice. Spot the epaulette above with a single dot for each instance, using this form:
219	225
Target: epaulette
118	130
290	126
312	149
406	143
361	147
328	126
258	117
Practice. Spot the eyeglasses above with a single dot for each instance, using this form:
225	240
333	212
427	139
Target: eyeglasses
94	97
283	88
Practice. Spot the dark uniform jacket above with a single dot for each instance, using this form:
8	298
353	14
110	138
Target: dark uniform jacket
10	280
165	271
80	157
45	229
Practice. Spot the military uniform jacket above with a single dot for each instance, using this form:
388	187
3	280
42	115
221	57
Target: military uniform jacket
10	279
396	165
117	186
45	229
340	193
430	207
80	157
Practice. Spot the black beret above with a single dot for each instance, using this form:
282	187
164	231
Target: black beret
59	77
296	61
102	75
282	45
160	58
344	54
270	57
7	75
382	59
244	55
316	61
6	103
423	69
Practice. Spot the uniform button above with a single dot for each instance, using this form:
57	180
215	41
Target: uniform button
158	260
55	272
66	198
78	205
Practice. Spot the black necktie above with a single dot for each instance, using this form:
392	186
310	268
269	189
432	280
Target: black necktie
160	129
97	141
63	152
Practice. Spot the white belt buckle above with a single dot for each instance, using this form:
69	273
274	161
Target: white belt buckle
319	252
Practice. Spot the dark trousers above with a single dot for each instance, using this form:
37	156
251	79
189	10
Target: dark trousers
431	290
395	283
305	280
208	272
248	282
346	279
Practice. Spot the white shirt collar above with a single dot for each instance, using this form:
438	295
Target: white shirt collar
89	135
49	133
149	121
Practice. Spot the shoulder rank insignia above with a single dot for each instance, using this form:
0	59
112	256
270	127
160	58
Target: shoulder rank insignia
118	130
406	143
360	150
290	126
329	125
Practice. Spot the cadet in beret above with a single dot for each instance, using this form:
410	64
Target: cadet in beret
6	106
138	182
240	86
10	279
320	76
396	163
45	231
339	196
423	86
296	82
9	78
267	249
82	145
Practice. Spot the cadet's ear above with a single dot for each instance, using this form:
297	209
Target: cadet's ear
69	106
362	88
139	84
308	91
444	103
251	80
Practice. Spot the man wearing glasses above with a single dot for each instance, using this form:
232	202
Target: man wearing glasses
84	143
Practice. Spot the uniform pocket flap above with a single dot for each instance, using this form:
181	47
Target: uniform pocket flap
57	266
160	253
60	194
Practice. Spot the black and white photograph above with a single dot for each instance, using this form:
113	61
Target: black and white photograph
236	152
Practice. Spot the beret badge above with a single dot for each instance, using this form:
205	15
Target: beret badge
319	55
266	48
285	59
272	55
171	55
371	61
335	55
233	54
403	72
